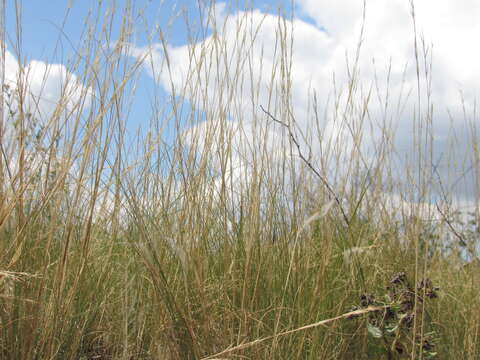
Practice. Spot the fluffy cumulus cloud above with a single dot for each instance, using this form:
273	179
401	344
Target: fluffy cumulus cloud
447	27
240	59
51	96
445	31
45	88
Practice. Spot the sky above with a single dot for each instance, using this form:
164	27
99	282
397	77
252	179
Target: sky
51	30
326	36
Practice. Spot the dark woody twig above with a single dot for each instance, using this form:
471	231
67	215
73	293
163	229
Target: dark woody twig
444	214
307	162
460	237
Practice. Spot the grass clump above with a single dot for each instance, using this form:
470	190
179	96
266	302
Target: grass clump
225	228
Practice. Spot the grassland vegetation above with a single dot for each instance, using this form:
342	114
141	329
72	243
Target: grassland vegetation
232	225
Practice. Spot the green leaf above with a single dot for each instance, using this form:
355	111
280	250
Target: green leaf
393	329
374	331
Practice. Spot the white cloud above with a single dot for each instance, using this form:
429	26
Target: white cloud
46	88
223	67
50	95
448	28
